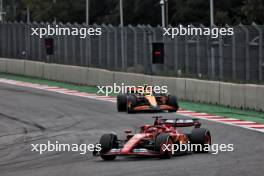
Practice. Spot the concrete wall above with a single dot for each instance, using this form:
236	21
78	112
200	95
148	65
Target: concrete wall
2	65
234	95
34	69
131	79
71	74
208	91
100	77
251	96
15	66
260	96
50	71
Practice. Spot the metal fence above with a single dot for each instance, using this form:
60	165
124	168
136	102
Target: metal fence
237	58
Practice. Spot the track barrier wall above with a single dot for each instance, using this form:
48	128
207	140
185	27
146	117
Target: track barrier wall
237	58
246	96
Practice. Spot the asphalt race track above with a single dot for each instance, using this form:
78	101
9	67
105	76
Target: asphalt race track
35	116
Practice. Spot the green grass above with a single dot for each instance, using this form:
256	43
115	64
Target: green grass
207	108
80	88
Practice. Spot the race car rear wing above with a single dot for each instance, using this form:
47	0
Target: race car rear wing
182	122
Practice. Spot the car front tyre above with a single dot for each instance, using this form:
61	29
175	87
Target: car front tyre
161	140
108	142
121	102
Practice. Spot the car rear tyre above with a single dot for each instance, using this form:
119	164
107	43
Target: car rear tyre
108	142
202	137
172	101
121	102
161	140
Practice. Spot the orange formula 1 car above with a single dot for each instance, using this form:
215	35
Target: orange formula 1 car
147	101
158	140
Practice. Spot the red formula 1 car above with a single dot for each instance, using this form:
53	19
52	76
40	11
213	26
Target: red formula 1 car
147	101
157	140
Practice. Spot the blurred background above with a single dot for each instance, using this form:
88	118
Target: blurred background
130	27
230	12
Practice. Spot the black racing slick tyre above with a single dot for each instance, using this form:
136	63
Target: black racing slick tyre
202	137
108	142
172	101
163	144
121	103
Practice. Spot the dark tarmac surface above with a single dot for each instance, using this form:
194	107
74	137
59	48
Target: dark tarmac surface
33	116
